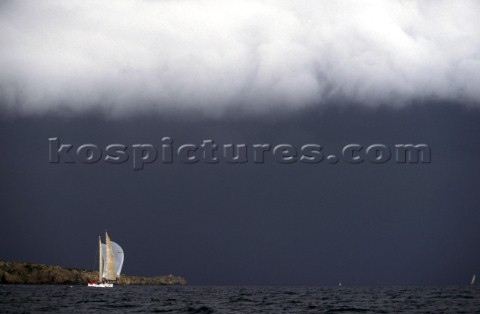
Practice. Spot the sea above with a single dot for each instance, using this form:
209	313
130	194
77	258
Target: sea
220	299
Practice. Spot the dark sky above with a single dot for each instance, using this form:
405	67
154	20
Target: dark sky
252	224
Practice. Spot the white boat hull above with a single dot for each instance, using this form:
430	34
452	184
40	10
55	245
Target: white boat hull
101	285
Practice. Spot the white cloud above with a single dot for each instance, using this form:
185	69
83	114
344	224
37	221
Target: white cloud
129	55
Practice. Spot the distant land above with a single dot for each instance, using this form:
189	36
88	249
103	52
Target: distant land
38	274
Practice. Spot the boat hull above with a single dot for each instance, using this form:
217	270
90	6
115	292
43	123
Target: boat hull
101	285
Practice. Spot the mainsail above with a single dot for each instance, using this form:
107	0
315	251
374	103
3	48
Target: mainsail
109	262
111	259
473	280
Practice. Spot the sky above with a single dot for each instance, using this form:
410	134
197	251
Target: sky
244	72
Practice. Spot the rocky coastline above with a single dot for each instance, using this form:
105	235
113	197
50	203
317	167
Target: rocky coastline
39	274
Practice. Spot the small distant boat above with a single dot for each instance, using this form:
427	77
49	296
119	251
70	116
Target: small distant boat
473	280
339	284
110	263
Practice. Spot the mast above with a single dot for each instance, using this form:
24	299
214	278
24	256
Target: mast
110	263
100	261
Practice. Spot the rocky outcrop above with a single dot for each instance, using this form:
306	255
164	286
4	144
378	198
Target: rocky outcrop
38	274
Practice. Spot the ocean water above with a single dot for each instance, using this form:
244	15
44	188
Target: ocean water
212	299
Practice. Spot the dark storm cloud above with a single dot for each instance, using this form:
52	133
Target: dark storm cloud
253	223
125	56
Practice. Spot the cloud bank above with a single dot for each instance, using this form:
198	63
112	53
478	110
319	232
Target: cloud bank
125	56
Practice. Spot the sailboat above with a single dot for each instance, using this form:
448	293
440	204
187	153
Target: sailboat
473	280
109	264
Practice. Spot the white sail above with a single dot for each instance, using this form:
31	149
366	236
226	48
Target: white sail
109	261
118	258
473	280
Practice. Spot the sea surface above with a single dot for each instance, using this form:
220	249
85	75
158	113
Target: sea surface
212	299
